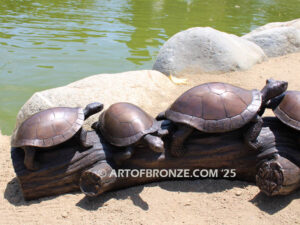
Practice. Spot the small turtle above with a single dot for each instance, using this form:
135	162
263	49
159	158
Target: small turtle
125	125
286	107
51	127
219	107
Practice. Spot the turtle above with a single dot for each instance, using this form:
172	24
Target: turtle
286	107
51	127
124	124
219	107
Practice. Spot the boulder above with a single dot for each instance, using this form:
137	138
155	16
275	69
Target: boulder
147	89
277	39
293	23
204	49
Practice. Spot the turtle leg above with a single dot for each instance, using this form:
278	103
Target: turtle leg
251	134
29	162
161	116
83	139
119	157
178	139
165	127
156	144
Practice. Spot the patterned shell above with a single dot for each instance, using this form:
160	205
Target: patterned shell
49	127
288	111
215	107
123	124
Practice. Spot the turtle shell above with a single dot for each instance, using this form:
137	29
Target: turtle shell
123	124
49	127
215	107
288	111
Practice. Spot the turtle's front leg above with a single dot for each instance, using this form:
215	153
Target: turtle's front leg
156	144
83	139
29	162
251	134
119	157
178	139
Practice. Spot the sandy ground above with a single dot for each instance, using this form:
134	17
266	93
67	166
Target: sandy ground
178	202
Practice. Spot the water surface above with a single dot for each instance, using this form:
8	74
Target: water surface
49	43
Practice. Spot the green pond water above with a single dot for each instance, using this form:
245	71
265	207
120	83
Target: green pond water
49	43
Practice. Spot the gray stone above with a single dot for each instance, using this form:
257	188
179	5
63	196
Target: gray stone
293	23
277	39
204	49
148	89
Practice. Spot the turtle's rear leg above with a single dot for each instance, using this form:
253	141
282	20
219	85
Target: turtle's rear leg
29	162
250	135
178	139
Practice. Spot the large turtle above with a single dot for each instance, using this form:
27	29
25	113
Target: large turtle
51	127
286	107
125	125
219	107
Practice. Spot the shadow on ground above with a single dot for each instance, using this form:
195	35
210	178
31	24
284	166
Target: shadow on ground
270	205
14	196
208	186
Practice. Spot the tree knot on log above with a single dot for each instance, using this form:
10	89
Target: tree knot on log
270	178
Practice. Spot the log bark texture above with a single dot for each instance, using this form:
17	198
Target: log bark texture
70	168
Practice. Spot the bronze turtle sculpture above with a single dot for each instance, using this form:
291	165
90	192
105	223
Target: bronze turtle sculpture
286	107
51	127
219	107
126	125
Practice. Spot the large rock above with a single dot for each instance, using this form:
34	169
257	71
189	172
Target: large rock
278	38
204	49
147	89
293	23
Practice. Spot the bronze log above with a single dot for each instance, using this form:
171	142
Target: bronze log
274	165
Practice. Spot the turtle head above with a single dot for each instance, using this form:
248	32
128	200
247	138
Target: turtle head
92	109
95	126
273	88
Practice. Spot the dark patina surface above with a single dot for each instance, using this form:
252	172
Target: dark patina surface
49	127
123	124
215	107
288	109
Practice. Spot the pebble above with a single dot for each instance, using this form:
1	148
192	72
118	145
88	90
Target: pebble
64	214
238	193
